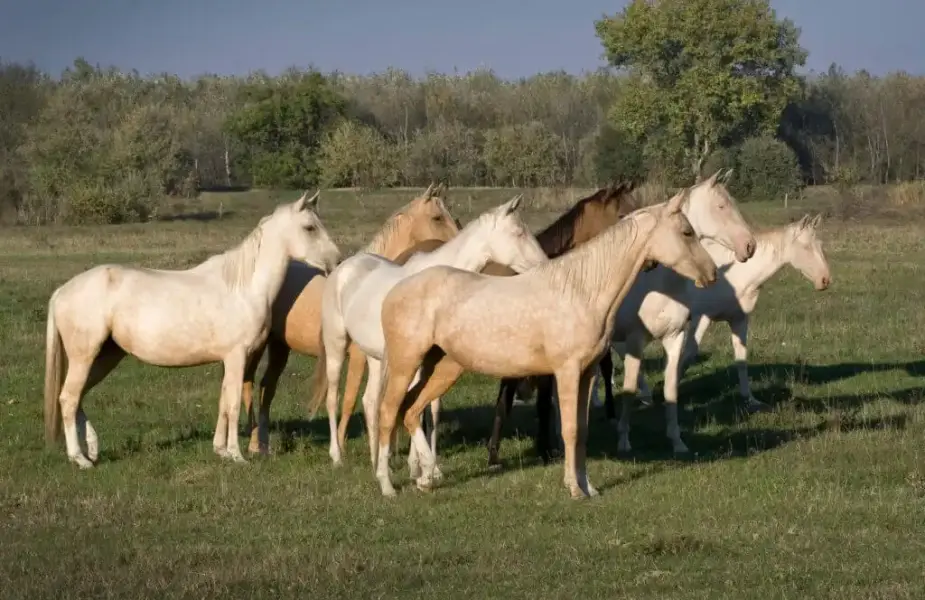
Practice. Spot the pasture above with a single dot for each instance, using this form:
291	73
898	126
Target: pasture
823	497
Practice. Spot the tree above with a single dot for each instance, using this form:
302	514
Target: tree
282	127
707	72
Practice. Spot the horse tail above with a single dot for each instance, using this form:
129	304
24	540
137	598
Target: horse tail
54	376
319	382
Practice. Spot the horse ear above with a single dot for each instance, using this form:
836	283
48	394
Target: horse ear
712	179
306	203
727	175
429	191
817	220
677	201
803	223
513	204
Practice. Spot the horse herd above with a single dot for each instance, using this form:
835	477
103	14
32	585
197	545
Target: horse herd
427	300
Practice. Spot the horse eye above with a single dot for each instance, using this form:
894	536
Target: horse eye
437	218
310	228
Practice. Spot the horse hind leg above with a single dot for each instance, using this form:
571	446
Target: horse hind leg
277	359
87	366
247	395
109	357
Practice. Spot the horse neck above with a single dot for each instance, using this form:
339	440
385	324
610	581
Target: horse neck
391	244
559	237
764	264
593	274
467	251
269	271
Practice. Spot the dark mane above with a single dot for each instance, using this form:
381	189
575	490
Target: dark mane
587	218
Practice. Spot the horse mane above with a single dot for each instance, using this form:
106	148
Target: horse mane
559	236
386	235
587	268
240	262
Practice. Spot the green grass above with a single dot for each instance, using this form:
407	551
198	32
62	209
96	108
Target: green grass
824	497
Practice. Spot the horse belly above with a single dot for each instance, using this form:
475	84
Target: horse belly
497	356
171	334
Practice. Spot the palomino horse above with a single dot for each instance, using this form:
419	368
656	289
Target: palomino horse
352	298
296	314
216	311
556	318
735	296
714	215
583	221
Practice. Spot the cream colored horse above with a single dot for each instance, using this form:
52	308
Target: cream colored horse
662	310
295	322
352	298
556	318
655	308
714	215
735	296
216	311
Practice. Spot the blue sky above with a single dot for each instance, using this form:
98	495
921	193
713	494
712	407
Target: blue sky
188	37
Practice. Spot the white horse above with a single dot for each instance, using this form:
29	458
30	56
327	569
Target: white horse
351	305
732	299
216	311
735	295
655	307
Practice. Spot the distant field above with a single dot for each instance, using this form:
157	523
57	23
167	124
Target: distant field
824	497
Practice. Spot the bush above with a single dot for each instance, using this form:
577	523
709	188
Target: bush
616	157
356	155
766	169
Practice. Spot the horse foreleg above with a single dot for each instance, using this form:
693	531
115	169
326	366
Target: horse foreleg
673	344
356	364
632	363
583	413
230	399
567	385
696	330
506	391
739	329
370	405
277	358
394	385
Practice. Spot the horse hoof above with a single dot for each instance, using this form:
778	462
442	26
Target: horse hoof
388	491
577	493
425	484
437	475
81	461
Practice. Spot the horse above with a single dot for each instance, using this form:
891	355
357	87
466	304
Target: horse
352	298
217	311
583	221
556	318
734	298
714	215
296	313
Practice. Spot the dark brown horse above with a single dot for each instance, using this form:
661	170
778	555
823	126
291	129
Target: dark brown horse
585	220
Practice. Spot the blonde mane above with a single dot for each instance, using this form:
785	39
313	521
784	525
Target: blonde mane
390	230
240	262
586	269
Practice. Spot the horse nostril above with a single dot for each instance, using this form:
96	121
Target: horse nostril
750	248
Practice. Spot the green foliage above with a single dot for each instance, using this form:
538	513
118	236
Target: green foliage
524	156
615	156
281	127
766	169
705	72
356	155
105	149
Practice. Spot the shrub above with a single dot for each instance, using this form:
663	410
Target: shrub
766	169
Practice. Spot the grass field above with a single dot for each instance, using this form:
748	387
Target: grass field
824	497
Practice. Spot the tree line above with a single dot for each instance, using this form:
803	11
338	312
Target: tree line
101	145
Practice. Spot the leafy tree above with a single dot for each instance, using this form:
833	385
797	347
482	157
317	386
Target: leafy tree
281	127
356	155
706	72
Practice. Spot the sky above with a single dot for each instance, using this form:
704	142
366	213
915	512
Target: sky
514	38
